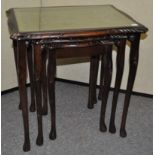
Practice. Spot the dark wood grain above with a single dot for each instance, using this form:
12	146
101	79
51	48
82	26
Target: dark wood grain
16	57
96	76
94	63
119	72
21	63
44	81
134	56
106	87
31	75
38	69
79	33
66	44
101	78
51	91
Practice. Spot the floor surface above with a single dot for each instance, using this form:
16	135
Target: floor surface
78	127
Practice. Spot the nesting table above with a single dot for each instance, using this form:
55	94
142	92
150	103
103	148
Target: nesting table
42	34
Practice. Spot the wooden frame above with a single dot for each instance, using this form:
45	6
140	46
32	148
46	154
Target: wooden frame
46	44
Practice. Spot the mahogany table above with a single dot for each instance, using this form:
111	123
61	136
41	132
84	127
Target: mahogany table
41	34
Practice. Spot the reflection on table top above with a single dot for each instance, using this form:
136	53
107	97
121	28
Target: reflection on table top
67	18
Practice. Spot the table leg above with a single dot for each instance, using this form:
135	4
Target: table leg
51	91
95	76
37	70
101	78
107	81
21	63
94	62
16	63
134	55
44	81
31	75
120	67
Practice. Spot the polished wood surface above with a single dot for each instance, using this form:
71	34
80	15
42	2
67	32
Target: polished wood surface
107	58
38	42
37	70
51	91
31	76
133	63
44	80
94	63
119	66
22	75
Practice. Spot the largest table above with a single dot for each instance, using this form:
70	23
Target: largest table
36	31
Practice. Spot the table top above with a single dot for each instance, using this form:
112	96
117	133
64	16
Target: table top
66	19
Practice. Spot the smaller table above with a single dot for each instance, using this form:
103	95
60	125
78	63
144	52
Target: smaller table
38	31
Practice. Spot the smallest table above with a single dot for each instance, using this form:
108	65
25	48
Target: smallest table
36	31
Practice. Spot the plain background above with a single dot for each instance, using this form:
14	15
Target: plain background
139	10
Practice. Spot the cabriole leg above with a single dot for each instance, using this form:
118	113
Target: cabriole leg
31	75
95	76
101	78
38	69
94	62
21	63
107	81
134	55
16	57
51	91
120	66
44	81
